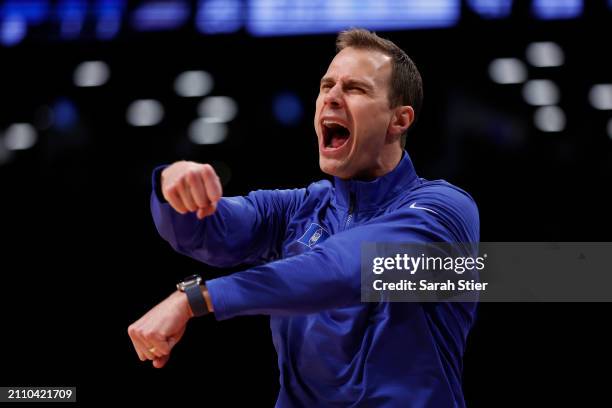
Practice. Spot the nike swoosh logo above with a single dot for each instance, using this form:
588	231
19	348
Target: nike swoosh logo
413	205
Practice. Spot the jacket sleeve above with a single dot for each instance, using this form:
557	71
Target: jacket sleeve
243	230
329	276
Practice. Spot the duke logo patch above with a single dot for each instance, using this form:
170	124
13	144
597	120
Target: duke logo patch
315	234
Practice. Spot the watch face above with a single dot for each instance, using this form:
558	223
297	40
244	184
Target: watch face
190	280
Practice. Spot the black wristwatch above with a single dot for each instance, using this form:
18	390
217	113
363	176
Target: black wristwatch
192	288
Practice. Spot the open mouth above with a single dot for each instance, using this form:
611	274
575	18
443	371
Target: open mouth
335	135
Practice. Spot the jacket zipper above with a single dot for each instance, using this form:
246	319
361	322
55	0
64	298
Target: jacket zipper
349	216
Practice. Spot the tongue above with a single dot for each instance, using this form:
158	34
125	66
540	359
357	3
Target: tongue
338	140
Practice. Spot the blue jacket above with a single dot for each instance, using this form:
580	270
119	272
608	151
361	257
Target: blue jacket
304	245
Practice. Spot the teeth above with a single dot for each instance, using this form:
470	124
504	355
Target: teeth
329	123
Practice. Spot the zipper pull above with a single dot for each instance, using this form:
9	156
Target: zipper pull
351	209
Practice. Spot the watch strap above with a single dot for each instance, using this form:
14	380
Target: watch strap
196	300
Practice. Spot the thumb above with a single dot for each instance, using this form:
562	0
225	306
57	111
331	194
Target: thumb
172	342
205	212
161	361
175	338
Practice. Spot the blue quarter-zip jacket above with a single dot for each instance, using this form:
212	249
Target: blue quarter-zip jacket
304	245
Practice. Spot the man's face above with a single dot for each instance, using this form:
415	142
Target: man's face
352	113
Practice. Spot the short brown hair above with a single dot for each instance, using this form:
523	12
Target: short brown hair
406	85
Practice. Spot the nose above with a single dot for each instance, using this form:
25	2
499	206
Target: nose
333	97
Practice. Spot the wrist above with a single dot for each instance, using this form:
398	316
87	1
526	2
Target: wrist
198	298
207	299
183	303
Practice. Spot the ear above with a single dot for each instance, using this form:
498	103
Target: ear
402	118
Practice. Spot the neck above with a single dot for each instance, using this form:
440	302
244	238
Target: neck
373	193
387	161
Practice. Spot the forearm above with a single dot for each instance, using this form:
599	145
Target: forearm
327	277
242	230
302	284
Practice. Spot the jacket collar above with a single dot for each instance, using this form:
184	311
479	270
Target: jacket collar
372	194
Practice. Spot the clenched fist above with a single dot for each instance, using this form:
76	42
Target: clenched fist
157	332
191	187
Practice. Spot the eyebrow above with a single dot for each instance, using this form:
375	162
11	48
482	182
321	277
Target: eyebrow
349	82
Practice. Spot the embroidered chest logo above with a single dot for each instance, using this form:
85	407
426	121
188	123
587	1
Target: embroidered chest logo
315	234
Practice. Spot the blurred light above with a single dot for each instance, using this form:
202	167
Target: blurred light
219	16
109	14
32	11
193	83
71	14
145	112
556	9
65	114
71	28
108	26
287	108
91	73
545	54
160	15
507	71
600	96
541	92
218	108
204	131
110	6
280	17
492	8
13	30
549	119
20	136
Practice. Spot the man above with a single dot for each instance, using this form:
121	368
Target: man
304	244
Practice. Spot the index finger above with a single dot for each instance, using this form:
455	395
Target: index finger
212	183
161	361
136	344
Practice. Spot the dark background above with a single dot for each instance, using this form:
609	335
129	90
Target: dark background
81	258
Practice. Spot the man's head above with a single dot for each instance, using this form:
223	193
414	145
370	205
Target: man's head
368	98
